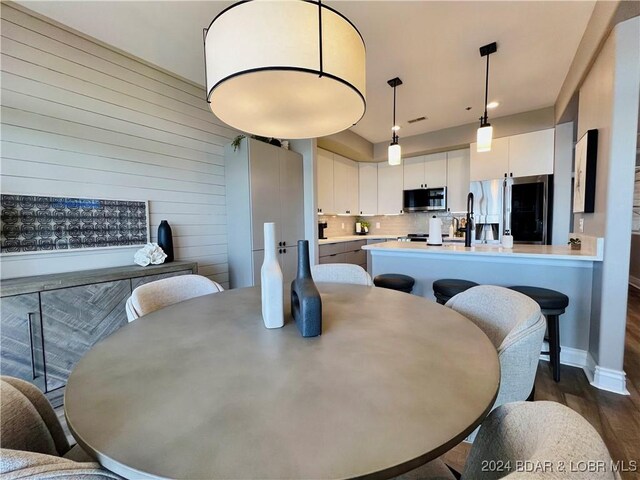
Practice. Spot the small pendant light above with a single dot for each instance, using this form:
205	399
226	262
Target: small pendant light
485	132
395	151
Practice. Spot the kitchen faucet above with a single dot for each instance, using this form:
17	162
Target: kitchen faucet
468	227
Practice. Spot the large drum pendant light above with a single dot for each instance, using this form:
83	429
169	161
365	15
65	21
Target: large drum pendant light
285	69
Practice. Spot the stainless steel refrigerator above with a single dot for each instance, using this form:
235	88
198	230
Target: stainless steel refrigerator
520	205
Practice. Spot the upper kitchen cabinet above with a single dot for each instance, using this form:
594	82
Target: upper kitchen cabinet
516	156
491	164
267	187
326	203
531	153
425	171
345	185
390	181
457	180
368	188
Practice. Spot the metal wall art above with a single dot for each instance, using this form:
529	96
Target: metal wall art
31	223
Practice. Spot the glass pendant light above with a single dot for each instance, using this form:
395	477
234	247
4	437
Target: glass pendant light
485	132
395	151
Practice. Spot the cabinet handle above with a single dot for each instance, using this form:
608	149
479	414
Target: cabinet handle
33	358
505	174
280	250
284	244
284	250
511	174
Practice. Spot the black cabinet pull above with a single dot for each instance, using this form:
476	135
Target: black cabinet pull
33	358
280	250
511	174
284	250
284	244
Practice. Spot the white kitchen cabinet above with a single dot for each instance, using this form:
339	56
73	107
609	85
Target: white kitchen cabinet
516	156
491	164
368	188
425	171
345	185
413	172
326	204
435	170
457	180
531	153
390	182
267	187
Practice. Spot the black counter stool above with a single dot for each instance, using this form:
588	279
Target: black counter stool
395	281
446	288
552	304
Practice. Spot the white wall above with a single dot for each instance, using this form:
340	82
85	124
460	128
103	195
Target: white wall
608	101
562	192
81	119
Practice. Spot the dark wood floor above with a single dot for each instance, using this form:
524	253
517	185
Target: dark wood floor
615	417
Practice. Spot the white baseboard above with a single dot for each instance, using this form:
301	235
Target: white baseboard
600	377
606	378
634	281
568	356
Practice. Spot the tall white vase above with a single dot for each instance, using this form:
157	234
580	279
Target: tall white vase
272	281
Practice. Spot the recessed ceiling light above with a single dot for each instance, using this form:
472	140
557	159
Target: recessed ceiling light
492	104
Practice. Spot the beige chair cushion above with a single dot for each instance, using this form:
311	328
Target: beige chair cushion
546	434
16	465
434	470
28	421
341	273
153	296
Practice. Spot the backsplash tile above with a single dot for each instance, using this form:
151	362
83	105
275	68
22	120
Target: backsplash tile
389	224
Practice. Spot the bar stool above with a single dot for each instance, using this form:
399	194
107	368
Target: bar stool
552	304
395	281
446	288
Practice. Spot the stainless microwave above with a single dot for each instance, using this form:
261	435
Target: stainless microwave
424	199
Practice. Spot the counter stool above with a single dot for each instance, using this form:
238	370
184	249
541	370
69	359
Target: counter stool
552	304
446	288
395	281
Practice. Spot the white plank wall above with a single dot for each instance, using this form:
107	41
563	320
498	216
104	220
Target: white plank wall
81	119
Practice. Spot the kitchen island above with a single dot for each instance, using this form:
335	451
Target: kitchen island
549	266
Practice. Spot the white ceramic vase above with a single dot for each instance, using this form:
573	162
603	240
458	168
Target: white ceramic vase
272	281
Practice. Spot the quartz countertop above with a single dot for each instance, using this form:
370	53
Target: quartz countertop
351	238
548	252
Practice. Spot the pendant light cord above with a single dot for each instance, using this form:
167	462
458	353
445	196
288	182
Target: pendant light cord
486	93
394	137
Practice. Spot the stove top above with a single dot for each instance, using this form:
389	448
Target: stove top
418	237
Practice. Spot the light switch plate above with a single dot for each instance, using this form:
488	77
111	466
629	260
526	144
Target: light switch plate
343	225
377	224
581	225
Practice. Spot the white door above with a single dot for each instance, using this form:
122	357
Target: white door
413	173
435	170
265	189
258	259
390	181
341	185
289	264
490	165
368	188
531	153
291	228
326	203
457	180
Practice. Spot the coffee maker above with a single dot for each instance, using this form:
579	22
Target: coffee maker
321	227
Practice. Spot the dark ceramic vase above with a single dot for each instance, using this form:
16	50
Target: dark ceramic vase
165	240
306	304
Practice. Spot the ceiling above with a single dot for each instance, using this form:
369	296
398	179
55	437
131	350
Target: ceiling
431	45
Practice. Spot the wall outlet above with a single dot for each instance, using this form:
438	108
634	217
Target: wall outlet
581	225
377	224
343	225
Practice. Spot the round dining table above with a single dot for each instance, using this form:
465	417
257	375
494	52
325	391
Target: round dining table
201	389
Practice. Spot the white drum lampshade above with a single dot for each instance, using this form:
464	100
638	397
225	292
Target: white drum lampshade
285	69
485	134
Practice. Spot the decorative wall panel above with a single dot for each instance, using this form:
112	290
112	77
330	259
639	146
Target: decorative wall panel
32	223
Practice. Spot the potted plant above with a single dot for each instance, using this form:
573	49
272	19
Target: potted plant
575	243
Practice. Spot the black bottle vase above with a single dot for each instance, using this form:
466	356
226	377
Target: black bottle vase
306	304
165	240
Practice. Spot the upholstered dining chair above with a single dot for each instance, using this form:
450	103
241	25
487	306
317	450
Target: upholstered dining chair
153	296
549	436
341	273
32	441
515	326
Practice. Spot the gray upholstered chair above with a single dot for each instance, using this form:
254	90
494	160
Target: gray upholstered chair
547	435
32	441
341	273
153	296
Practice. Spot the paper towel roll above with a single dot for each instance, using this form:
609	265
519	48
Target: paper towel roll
435	231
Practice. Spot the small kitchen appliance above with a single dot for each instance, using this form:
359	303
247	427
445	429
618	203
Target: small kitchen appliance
321	227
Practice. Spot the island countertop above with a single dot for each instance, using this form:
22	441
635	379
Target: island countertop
591	251
352	238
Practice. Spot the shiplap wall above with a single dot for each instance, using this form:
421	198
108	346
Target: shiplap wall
81	119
